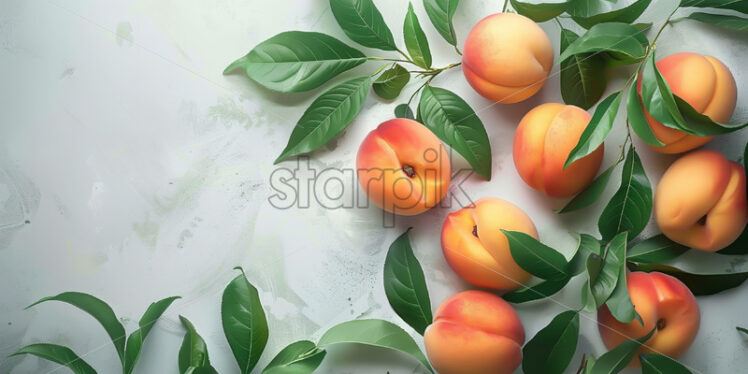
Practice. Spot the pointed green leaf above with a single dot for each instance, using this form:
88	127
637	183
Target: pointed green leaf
582	75
597	129
455	123
742	329
655	250
362	22
589	194
194	351
415	40
540	11
588	13
535	257
614	259
551	349
594	267
405	285
440	13
638	120
659	364
739	5
699	279
97	309
327	116
57	354
244	322
619	302
302	357
724	21
616	359
136	339
376	333
620	38
631	206
537	291
391	82
296	61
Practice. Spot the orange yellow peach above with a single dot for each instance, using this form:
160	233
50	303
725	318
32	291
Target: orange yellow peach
507	57
706	84
403	167
545	137
478	251
475	332
663	302
700	201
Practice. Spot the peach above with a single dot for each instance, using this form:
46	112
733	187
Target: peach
403	167
475	332
701	201
507	57
662	301
545	137
706	84
478	251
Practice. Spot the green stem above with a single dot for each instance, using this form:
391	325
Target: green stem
667	21
405	55
506	4
560	26
388	59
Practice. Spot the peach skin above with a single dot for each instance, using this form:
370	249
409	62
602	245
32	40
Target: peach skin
701	201
706	84
478	251
545	137
475	332
663	302
403	167
507	57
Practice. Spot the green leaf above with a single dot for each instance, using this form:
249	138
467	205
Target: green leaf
537	291
244	322
327	116
551	349
404	111
415	40
588	13
660	364
638	120
630	207
588	365
597	129
693	122
97	309
194	351
739	5
619	302
724	21
535	257
296	61
614	260
617	358
391	82
587	245
376	333
405	285
594	267
301	357
619	38
136	339
57	354
742	329
700	281
454	122
589	194
582	75
362	22
654	250
440	13
540	11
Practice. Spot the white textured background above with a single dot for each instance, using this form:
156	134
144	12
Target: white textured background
130	168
